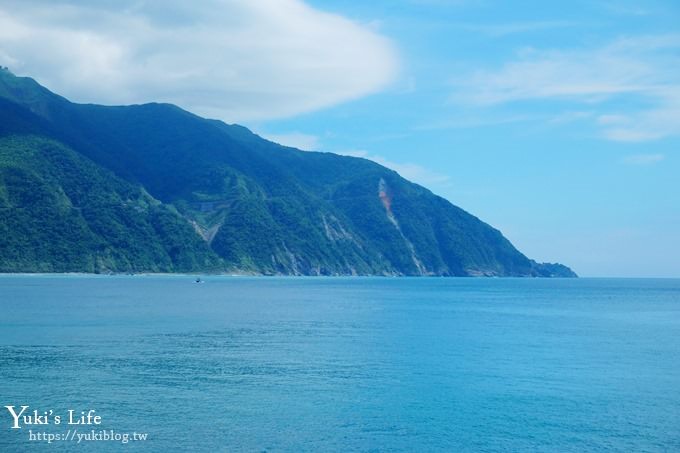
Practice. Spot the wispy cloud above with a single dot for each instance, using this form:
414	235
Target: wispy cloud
649	124
643	159
641	70
571	116
446	3
627	9
504	29
468	122
304	142
236	60
411	171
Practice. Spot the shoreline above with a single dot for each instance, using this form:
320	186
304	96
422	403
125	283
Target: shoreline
254	275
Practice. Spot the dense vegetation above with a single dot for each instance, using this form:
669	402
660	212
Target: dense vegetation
62	213
155	188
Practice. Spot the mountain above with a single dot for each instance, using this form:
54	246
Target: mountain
155	188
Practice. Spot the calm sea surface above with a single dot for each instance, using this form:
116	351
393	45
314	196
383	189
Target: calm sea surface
344	364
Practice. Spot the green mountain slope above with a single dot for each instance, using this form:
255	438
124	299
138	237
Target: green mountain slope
59	212
259	206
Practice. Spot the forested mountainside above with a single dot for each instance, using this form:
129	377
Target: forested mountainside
153	188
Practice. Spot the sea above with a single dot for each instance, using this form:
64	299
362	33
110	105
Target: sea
275	364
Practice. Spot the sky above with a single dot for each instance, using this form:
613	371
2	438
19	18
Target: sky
556	122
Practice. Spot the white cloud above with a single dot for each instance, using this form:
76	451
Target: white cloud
304	142
628	10
468	121
640	71
446	3
570	117
411	171
649	124
504	29
236	60
643	159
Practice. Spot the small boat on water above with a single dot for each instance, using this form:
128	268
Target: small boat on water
198	280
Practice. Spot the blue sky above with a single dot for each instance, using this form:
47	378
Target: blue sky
556	122
559	125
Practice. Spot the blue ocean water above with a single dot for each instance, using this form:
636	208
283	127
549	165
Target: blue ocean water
344	364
